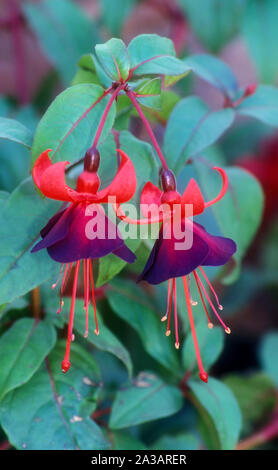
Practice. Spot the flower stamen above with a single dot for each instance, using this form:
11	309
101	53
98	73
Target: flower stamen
177	343
66	361
210	324
220	307
168	331
226	328
164	318
59	277
86	295
202	373
93	297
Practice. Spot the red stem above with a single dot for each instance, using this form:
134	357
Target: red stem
269	432
105	114
132	98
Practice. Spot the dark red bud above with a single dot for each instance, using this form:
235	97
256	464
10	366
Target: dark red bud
91	160
168	180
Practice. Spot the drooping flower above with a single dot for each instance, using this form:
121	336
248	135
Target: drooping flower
168	260
68	236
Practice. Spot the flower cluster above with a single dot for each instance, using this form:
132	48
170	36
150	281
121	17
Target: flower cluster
73	239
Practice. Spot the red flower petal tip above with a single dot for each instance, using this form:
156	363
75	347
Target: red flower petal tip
204	377
65	366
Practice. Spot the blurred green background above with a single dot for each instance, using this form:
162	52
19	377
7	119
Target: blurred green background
41	43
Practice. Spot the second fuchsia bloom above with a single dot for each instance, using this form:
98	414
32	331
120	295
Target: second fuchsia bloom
167	263
65	235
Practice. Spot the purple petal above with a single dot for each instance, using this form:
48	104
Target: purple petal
167	262
55	230
221	249
88	236
44	231
125	254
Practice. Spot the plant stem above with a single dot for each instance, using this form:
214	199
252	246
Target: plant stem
35	303
132	98
266	434
105	114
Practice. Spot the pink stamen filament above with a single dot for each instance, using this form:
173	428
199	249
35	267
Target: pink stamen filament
64	285
193	302
164	318
86	295
226	328
203	302
168	331
59	277
132	98
93	297
66	361
202	372
177	343
212	289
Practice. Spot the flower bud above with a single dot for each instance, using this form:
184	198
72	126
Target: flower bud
168	180
91	160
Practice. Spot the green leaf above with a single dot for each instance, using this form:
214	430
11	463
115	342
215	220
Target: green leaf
142	157
169	99
114	58
22	349
191	128
69	125
127	301
181	441
52	411
124	441
87	71
268	352
210	342
214	71
114	13
15	159
146	400
15	131
219	409
263	105
235	214
153	54
213	21
22	217
111	265
64	33
260	33
149	93
255	395
105	341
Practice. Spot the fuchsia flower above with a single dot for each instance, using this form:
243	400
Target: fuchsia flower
65	235
167	263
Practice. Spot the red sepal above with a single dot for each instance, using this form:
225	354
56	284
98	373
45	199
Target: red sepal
123	185
151	194
50	178
192	195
